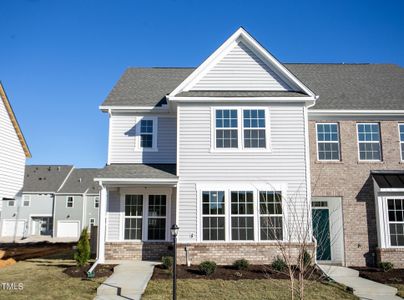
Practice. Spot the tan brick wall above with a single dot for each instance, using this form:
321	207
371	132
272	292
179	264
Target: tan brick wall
137	250
350	179
395	256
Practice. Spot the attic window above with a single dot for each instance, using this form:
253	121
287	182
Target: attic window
69	201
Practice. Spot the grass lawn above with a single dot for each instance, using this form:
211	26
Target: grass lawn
400	288
242	289
44	279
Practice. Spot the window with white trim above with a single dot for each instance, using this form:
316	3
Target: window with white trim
157	215
226	128
369	141
327	141
401	132
242	216
11	202
270	209
96	202
69	201
254	128
213	216
133	217
396	221
26	200
146	133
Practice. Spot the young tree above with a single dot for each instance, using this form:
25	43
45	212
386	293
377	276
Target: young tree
82	253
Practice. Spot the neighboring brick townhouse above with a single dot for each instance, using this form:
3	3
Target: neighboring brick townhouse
230	150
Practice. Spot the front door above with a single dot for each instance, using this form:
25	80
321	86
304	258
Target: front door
321	231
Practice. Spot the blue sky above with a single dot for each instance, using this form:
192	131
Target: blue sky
59	59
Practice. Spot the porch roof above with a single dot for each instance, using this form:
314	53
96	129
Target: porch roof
158	173
389	179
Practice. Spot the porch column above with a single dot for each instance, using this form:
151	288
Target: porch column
102	224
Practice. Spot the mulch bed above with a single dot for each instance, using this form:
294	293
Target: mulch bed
226	273
25	251
81	272
391	277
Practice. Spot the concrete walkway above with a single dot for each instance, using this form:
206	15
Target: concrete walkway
128	281
363	288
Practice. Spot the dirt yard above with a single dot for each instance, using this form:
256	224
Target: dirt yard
35	250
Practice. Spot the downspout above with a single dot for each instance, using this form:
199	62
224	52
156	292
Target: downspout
90	272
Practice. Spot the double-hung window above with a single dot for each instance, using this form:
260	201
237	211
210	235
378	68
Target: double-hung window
96	202
157	210
226	128
26	200
213	216
270	208
133	217
369	141
401	133
327	141
70	201
242	216
396	221
254	128
11	202
146	133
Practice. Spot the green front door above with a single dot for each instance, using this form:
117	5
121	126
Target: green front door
321	231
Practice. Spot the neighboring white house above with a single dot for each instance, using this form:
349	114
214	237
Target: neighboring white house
13	151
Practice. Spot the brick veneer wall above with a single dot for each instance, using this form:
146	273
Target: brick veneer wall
395	256
351	180
221	253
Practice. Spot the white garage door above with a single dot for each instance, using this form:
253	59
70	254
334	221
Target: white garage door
68	229
13	228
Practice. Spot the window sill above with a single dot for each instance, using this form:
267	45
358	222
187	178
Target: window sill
240	150
328	162
361	162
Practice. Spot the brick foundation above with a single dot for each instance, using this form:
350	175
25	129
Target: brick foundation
221	253
393	255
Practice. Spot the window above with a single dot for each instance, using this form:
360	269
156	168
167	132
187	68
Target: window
11	202
254	128
213	216
133	217
96	202
242	216
369	141
146	133
69	202
157	217
396	221
327	141
401	132
270	216
91	222
26	200
226	128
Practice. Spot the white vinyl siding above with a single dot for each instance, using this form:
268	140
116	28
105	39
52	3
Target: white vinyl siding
113	216
285	163
124	140
240	69
12	157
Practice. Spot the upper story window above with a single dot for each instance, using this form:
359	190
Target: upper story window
240	128
11	202
26	200
254	128
401	132
226	128
369	141
96	202
327	141
69	201
146	133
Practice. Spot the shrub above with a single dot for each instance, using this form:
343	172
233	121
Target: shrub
207	267
82	253
167	262
278	264
241	264
386	266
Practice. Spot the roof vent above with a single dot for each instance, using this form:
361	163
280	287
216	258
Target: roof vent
79	179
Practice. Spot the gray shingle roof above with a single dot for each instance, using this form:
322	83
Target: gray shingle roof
138	171
81	180
44	178
240	94
340	86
